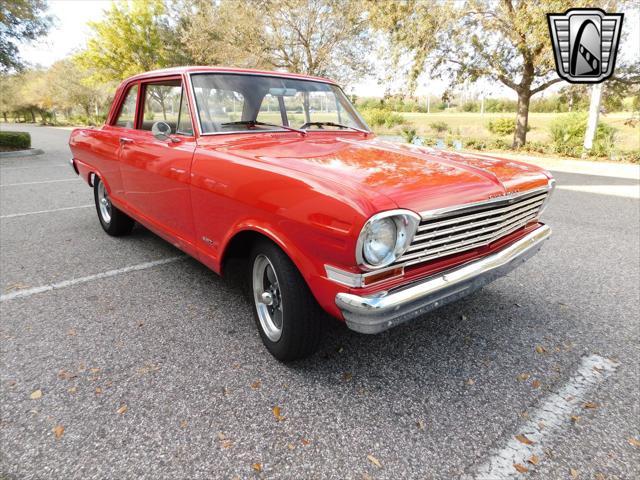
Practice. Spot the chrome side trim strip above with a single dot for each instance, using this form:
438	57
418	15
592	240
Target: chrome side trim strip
379	312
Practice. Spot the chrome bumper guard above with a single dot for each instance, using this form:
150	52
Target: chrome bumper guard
376	313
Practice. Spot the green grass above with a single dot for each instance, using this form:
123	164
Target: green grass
474	125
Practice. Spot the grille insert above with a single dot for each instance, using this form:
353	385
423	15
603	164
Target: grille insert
471	226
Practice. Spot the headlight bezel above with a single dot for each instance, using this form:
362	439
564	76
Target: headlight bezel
406	223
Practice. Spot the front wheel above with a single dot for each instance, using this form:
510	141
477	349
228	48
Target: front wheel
113	221
287	315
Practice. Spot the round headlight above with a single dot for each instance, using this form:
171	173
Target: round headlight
385	237
379	240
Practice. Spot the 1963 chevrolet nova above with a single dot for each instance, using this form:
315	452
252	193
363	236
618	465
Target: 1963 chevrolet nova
281	169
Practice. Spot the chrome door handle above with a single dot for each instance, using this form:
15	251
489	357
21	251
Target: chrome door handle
124	140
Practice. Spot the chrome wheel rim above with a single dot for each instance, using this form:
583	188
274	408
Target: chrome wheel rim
267	297
104	203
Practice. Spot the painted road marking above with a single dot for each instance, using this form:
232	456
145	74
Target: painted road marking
2	169
38	183
14	215
27	292
628	191
547	421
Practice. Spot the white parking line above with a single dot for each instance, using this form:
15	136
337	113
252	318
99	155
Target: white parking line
27	292
2	169
38	183
14	215
547	421
629	191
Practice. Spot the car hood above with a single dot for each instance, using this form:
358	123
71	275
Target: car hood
415	178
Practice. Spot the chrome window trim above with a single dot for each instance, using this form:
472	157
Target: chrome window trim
431	214
207	134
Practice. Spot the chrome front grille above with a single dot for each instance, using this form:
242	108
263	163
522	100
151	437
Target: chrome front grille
458	229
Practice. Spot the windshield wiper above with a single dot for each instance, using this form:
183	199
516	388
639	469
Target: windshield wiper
251	123
333	124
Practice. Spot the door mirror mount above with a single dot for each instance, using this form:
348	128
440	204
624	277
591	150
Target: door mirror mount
162	131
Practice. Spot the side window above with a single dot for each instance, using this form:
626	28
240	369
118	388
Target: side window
127	116
184	116
162	102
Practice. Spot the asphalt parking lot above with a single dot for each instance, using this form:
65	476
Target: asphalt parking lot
158	371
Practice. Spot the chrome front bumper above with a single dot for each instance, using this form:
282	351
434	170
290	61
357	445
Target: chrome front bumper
373	314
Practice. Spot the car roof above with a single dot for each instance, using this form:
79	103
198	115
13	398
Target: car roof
205	69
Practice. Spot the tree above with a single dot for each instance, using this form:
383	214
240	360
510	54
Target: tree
507	41
315	37
134	37
20	21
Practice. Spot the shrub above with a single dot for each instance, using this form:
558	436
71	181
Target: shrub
502	126
15	140
567	136
377	117
439	126
409	134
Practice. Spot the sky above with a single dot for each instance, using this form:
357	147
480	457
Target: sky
71	32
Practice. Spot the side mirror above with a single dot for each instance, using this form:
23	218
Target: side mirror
161	130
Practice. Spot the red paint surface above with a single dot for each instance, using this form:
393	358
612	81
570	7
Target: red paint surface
311	195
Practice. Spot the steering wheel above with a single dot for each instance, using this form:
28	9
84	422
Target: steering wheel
309	124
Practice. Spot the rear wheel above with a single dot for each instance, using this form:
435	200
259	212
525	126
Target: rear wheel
286	313
113	221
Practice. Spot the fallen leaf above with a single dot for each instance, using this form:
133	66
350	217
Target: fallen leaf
634	442
471	381
575	418
541	425
94	370
521	468
257	467
463	317
256	385
227	444
122	409
140	324
16	286
573	472
98	390
420	425
590	405
522	439
535	384
374	460
366	476
221	436
346	376
225	391
599	476
524	414
305	442
291	446
540	349
58	430
73	390
72	332
277	414
533	460
35	395
523	377
65	375
183	424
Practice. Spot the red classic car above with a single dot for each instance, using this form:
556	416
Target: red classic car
280	169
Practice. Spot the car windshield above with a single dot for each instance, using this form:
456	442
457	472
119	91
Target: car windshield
241	103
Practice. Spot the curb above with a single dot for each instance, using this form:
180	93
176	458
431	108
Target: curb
22	153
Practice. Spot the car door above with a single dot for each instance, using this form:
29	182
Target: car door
155	171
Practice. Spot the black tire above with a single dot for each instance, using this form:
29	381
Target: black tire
116	223
302	317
